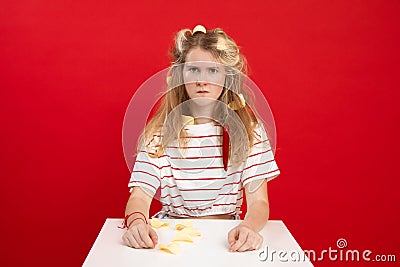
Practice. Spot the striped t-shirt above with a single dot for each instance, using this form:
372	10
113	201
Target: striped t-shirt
193	181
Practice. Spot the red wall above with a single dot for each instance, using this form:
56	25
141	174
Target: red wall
329	69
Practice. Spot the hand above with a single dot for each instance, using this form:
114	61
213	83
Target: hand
243	238
140	235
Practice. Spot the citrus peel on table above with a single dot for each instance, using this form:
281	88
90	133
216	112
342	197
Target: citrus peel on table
191	232
157	223
186	232
184	224
172	248
183	237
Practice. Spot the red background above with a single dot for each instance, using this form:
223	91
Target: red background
329	69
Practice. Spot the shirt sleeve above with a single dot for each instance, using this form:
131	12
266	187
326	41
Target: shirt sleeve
146	172
260	163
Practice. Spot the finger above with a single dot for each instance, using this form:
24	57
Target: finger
259	243
132	242
125	240
241	240
254	244
248	244
144	234
232	236
153	236
137	237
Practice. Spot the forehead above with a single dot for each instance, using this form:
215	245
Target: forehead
199	54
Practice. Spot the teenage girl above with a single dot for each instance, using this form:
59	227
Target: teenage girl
204	148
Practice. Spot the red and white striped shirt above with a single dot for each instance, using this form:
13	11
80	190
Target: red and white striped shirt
193	181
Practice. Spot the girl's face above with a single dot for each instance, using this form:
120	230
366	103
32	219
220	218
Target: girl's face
204	77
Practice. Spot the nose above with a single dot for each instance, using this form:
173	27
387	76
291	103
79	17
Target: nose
200	82
201	79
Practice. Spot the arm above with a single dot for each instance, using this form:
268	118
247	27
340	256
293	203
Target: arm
245	236
139	234
139	200
260	167
257	205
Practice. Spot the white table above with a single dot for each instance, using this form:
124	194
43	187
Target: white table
211	249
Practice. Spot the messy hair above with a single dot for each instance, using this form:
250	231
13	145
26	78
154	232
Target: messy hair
226	52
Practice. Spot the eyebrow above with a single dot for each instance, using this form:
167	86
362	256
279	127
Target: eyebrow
209	67
190	65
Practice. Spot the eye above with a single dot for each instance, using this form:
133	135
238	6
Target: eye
213	70
193	69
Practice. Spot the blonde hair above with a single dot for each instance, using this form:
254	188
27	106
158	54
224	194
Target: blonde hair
226	52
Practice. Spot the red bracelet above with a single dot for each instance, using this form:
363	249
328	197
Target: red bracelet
135	220
125	223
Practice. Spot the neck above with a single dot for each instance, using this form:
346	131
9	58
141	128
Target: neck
202	120
202	114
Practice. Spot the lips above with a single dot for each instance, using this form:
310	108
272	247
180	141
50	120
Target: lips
202	91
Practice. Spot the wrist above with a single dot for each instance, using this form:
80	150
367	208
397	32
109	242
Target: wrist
134	217
136	221
248	224
253	224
